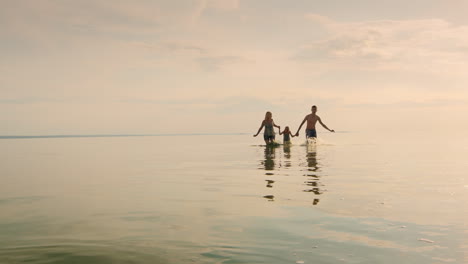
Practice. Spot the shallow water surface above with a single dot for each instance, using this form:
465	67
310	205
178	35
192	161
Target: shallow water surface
350	198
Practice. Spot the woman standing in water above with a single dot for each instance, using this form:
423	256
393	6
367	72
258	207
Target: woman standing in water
269	124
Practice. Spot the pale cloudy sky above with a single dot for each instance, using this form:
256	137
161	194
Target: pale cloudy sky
184	66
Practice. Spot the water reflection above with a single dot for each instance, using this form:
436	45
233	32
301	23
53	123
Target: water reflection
311	157
313	168
289	161
269	161
269	183
287	155
268	164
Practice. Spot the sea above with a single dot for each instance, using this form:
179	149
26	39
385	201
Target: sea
350	197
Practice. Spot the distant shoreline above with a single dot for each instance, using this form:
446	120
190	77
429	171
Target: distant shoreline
116	135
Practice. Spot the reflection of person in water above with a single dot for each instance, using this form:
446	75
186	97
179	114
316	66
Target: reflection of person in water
287	154
269	165
269	162
312	158
312	178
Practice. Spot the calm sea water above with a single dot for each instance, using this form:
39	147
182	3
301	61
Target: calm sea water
351	198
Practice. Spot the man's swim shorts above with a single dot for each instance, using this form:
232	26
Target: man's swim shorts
311	133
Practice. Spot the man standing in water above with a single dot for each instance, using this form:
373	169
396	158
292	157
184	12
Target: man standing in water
311	121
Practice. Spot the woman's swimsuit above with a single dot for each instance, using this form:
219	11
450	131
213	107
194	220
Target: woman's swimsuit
269	133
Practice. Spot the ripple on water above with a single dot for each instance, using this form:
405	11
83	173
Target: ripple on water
79	253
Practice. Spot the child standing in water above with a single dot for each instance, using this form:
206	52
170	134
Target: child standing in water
286	135
269	133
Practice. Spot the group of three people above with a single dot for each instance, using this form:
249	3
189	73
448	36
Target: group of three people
311	132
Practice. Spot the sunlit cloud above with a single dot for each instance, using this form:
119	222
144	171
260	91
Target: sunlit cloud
203	5
213	63
435	103
429	45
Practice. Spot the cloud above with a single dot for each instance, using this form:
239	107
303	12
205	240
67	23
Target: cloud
207	58
240	103
215	106
44	22
432	104
362	47
29	100
321	20
172	47
181	102
204	5
120	16
426	45
213	63
244	104
64	16
223	4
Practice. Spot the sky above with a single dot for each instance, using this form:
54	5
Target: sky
216	66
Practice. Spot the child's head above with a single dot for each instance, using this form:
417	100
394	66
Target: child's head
286	129
268	115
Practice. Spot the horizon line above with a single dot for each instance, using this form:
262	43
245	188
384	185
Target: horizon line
115	135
